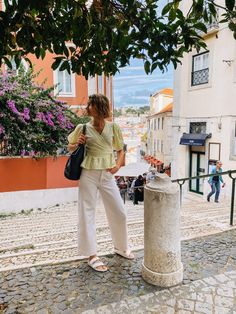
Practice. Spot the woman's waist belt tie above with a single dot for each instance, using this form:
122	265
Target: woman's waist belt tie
96	154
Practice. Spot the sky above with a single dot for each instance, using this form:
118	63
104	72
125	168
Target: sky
133	87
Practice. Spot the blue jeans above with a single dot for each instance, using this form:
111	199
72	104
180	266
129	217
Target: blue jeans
215	189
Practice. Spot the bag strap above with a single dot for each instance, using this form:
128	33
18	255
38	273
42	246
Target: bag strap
84	129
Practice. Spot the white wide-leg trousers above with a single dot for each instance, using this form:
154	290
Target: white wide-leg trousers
92	181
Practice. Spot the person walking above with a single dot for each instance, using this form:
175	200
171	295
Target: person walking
99	166
215	182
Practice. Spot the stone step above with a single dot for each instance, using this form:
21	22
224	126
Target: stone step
63	254
64	237
104	235
30	258
50	236
72	229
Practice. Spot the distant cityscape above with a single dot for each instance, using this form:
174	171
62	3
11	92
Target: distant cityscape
133	125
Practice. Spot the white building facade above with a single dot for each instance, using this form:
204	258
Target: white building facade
159	125
205	109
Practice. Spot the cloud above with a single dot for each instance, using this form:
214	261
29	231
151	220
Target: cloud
142	92
133	87
131	99
143	77
132	68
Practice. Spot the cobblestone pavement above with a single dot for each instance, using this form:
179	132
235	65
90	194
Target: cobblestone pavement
209	284
46	236
213	295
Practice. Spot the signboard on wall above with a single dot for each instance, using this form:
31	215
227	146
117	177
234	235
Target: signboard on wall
214	151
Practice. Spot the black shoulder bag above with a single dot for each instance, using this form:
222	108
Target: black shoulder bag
73	165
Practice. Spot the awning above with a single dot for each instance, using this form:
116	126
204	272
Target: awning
194	139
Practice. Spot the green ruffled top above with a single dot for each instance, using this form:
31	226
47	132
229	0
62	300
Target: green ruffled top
99	147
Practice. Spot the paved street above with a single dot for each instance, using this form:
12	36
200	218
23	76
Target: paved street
42	273
209	284
46	236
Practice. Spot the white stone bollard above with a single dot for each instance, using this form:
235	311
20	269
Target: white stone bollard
162	250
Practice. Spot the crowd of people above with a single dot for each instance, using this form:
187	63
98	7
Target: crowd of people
133	187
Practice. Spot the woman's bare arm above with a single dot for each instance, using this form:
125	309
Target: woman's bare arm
81	140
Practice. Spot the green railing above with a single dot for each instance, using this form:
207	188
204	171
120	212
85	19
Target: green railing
229	173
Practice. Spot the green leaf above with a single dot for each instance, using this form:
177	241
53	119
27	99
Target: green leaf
154	66
147	66
65	66
56	63
200	26
8	62
37	52
66	52
29	62
172	15
42	53
232	26
167	8
230	4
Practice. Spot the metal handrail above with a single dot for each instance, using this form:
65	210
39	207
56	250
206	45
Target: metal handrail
181	182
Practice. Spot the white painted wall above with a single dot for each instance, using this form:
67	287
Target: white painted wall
12	202
213	103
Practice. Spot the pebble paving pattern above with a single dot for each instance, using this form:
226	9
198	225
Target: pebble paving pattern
209	263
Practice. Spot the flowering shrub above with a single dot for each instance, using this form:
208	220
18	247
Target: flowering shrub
32	122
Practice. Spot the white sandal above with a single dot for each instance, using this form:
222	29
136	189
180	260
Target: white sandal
126	254
95	262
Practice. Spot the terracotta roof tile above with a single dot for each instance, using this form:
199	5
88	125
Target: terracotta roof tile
166	91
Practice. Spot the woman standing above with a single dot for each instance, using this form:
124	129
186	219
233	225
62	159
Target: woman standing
99	166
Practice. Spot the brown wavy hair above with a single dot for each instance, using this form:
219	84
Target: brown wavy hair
101	103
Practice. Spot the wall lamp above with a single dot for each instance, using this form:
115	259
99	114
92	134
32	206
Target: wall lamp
228	62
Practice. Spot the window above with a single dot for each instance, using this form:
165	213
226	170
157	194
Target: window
155	124
65	83
162	147
200	69
162	123
158	123
197	127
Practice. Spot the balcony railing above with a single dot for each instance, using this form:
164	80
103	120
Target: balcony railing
200	77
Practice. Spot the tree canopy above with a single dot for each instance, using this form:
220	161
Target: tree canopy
91	37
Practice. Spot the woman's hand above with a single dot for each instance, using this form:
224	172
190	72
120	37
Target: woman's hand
81	140
113	170
71	147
